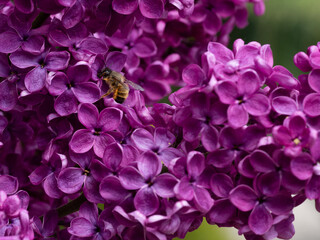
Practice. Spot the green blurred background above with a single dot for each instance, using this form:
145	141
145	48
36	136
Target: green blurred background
289	26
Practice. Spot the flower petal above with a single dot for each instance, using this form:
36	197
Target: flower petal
110	118
131	179
146	201
151	8
243	197
88	115
70	180
260	220
81	141
66	103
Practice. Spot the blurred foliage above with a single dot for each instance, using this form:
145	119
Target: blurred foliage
289	26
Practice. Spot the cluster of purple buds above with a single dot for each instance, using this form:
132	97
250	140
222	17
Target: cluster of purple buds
14	217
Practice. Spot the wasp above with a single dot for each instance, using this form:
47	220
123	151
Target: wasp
118	85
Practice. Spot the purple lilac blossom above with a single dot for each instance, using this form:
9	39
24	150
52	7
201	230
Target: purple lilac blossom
238	144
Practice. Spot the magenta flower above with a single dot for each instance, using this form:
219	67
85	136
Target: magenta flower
260	219
48	61
190	187
73	87
148	182
243	98
97	127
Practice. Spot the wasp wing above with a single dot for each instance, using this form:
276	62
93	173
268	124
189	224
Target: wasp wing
134	85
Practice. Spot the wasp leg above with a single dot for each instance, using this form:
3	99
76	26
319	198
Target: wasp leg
107	93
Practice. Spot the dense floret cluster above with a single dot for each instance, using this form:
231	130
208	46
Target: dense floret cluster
238	145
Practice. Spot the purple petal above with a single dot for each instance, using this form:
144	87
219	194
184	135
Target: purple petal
50	222
9	42
248	83
110	119
193	75
280	204
131	179
301	60
257	105
227	92
191	129
311	104
58	84
237	116
221	184
302	166
124	6
101	142
89	211
221	212
146	201
260	220
93	45
212	23
163	138
261	161
66	3
112	190
184	189
79	73
73	15
243	197
221	158
312	189
144	47
91	190
209	138
143	139
8	95
81	227
151	8
98	170
112	156
55	61
88	115
23	59
284	80
66	103
314	80
8	184
269	183
25	6
35	79
221	52
11	206
282	135
116	60
164	184
34	44
195	164
149	165
202	199
50	186
39	174
82	159
5	69
70	180
284	105
81	141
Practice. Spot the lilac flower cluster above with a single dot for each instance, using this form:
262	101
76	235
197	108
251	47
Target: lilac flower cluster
237	146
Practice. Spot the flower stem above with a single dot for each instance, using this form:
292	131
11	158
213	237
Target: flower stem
71	207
